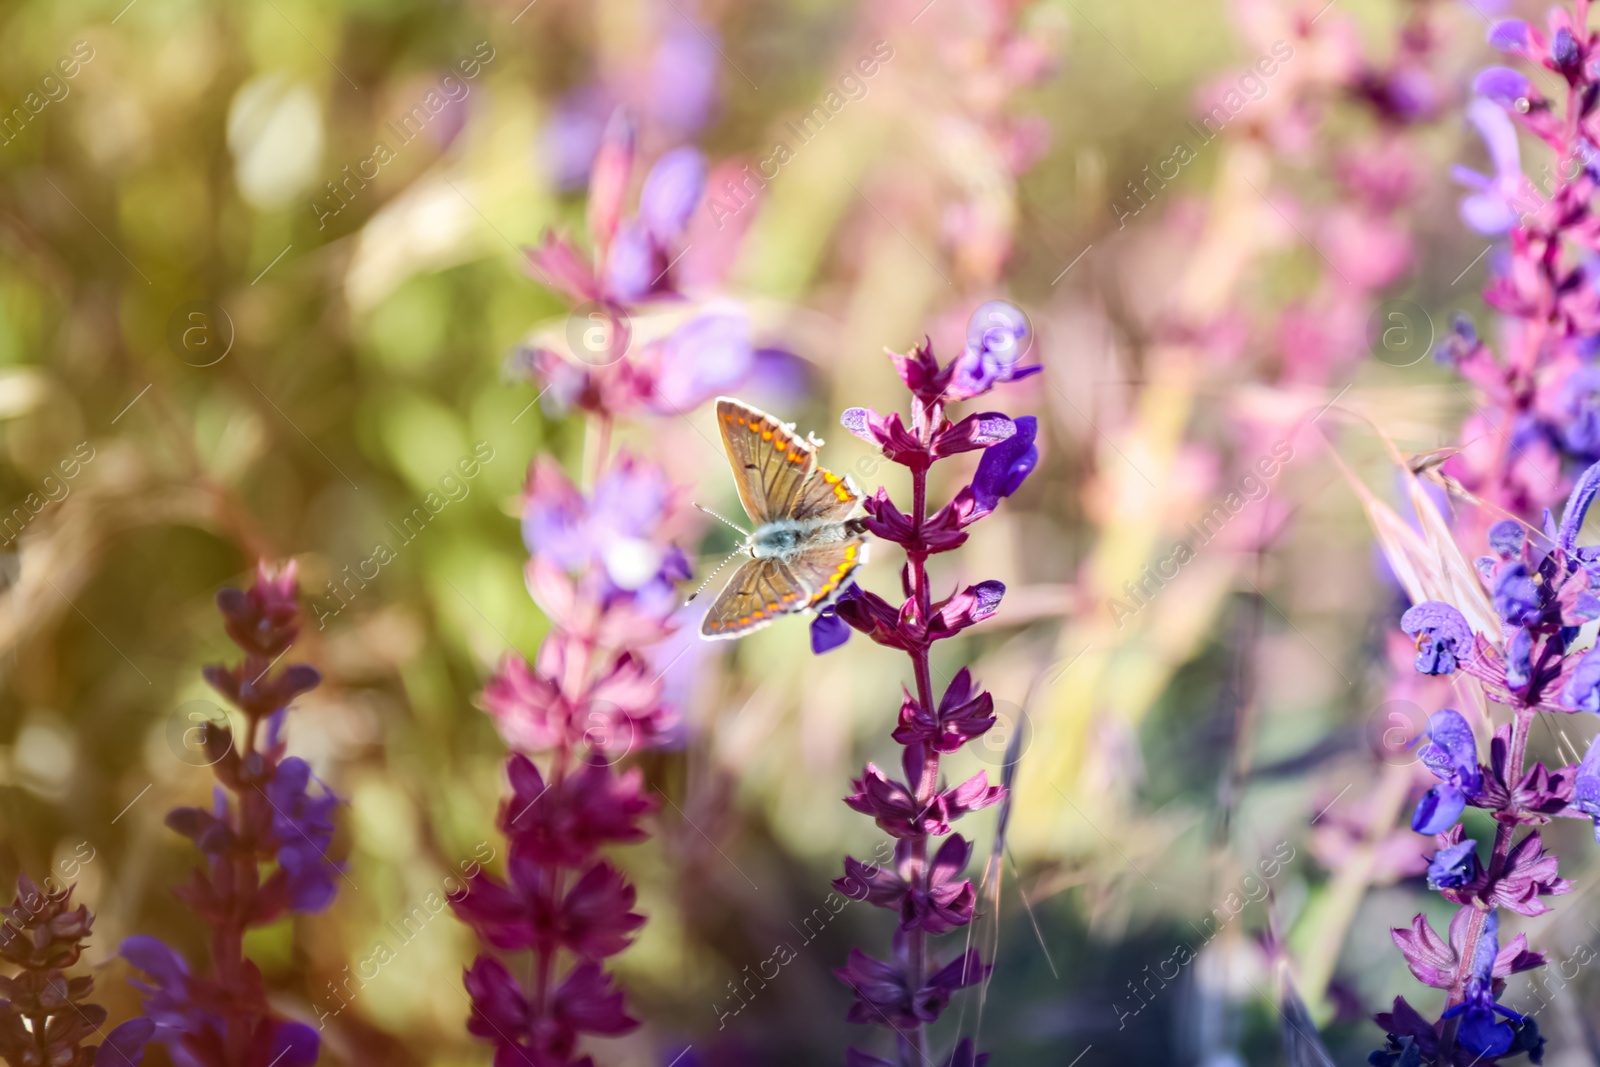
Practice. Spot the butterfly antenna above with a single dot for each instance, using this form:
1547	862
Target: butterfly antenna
714	573
722	518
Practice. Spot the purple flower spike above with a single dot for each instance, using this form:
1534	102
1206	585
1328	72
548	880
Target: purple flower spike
926	886
1444	640
1502	85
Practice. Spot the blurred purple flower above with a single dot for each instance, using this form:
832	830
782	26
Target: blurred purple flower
302	826
683	76
610	535
706	356
1494	208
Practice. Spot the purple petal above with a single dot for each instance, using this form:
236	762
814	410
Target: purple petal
707	355
1507	538
631	267
293	1045
1509	35
1499	135
1502	85
1582	691
1583	494
125	1044
683	77
828	632
1487	214
1005	466
1470	178
672	192
1438	810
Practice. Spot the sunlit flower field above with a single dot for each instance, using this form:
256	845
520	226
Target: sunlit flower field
914	533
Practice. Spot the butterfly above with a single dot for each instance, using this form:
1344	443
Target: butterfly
804	546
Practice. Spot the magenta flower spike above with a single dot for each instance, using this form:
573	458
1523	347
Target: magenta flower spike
925	889
607	581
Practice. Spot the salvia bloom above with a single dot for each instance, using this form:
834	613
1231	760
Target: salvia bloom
630	268
1539	417
925	889
45	1016
1540	584
601	571
265	838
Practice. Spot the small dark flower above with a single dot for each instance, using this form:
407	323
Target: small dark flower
889	435
566	822
265	619
883	992
828	630
962	715
1452	755
944	906
1412	1042
1529	873
1564	51
1454	866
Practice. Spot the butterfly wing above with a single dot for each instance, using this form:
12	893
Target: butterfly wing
760	591
822	569
826	496
770	464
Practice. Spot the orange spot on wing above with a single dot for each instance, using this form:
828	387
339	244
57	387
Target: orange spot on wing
745	621
767	435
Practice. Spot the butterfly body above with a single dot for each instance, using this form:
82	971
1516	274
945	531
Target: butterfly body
804	545
786	538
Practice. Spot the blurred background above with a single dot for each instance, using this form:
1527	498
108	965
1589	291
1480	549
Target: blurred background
251	333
